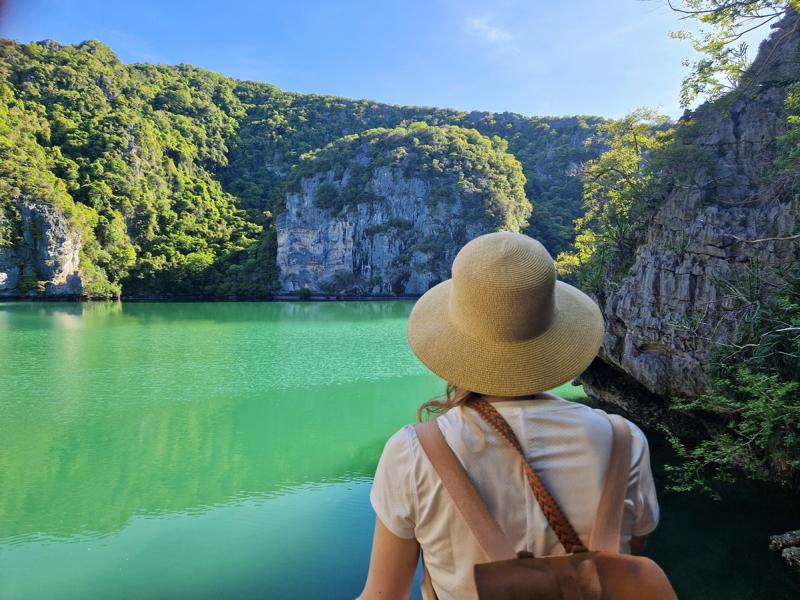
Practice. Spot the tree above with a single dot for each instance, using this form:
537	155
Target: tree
613	183
173	174
724	59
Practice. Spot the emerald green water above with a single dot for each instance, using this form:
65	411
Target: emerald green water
217	450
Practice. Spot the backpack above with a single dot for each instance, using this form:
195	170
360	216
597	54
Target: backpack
599	572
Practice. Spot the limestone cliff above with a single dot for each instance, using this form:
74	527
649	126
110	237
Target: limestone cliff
45	259
675	303
384	213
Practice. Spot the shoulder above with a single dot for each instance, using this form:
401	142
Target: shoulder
394	492
403	450
639	445
400	452
637	437
401	441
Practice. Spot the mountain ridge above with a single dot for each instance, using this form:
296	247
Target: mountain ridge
172	175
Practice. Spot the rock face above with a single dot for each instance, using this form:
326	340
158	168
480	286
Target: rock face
375	249
789	545
675	304
46	260
387	211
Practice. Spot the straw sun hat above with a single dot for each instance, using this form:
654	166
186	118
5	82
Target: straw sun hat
503	325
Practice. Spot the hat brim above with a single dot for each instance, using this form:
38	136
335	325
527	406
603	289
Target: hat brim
498	368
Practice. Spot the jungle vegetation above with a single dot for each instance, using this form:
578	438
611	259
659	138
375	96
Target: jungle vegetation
173	174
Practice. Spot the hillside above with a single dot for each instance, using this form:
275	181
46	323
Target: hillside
163	181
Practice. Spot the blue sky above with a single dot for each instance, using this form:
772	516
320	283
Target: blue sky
535	57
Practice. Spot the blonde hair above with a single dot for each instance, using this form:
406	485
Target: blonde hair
453	396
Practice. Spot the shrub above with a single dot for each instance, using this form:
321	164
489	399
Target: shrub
755	394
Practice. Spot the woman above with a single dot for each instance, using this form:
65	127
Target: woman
505	331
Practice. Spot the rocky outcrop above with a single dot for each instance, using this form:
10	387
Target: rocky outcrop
46	258
706	239
400	245
789	546
387	211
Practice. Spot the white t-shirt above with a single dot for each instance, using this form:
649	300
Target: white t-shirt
568	446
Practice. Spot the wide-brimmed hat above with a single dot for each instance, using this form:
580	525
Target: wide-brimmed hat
503	325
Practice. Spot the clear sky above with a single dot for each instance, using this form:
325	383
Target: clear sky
535	57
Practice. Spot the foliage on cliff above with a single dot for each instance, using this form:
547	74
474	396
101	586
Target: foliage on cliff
756	391
756	374
749	322
134	149
614	185
279	127
173	173
456	163
722	65
24	169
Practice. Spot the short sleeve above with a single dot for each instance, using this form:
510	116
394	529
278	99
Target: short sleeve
393	494
646	511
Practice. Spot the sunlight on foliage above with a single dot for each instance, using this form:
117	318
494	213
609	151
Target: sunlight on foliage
723	53
606	235
173	174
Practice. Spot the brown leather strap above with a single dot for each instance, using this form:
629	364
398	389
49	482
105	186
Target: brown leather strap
552	511
457	483
608	520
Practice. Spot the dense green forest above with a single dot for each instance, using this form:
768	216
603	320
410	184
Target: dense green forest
173	173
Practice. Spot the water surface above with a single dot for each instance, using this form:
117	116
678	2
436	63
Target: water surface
217	450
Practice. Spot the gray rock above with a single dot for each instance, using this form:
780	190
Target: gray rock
402	244
674	306
9	271
792	557
46	263
784	540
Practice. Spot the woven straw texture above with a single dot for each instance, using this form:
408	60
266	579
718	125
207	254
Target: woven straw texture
503	325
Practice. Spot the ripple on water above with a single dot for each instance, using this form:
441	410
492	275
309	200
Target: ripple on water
213	450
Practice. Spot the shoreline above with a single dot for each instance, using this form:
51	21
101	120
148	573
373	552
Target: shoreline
194	299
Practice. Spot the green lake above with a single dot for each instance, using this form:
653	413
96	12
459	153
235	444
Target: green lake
225	450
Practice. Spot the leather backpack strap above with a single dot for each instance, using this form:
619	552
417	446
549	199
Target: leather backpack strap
608	520
552	511
457	483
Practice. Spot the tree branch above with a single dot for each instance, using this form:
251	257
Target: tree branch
769	239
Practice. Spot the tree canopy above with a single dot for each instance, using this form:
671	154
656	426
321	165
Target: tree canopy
724	53
614	184
173	174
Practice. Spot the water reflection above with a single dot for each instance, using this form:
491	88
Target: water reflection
31	313
254	547
217	450
195	450
95	470
115	421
